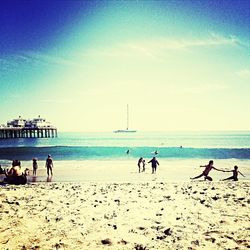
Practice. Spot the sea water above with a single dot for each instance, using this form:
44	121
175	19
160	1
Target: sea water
94	146
113	156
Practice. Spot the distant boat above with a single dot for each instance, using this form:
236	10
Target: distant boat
126	130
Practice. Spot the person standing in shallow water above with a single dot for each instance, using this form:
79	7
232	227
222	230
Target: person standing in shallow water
35	166
154	164
49	165
205	173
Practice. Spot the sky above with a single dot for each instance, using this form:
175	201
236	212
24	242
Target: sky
180	65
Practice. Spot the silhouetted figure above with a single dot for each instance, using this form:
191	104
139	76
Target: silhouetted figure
154	164
35	166
1	170
205	173
127	152
15	174
235	174
141	163
49	165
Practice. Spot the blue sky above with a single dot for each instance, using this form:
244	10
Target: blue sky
180	65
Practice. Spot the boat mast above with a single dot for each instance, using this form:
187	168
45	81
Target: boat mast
127	117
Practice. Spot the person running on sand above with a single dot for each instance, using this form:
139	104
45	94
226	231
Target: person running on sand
154	164
235	174
49	165
205	173
35	166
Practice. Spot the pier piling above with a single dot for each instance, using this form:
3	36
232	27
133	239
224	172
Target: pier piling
10	133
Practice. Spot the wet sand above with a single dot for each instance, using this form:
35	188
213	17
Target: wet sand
126	170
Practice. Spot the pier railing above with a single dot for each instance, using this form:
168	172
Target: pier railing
9	133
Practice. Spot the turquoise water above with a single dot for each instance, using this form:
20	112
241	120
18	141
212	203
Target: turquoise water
177	145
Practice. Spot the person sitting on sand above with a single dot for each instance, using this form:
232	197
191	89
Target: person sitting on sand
205	173
35	166
15	174
154	164
1	170
235	174
49	165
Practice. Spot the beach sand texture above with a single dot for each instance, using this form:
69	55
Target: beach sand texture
108	215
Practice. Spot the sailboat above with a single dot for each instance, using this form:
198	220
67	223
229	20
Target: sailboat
125	130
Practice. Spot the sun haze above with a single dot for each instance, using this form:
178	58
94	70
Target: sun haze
180	65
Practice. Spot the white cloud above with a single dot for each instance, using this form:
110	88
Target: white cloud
58	101
205	88
154	47
51	59
245	73
160	44
13	62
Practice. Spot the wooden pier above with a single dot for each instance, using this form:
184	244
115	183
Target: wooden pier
10	133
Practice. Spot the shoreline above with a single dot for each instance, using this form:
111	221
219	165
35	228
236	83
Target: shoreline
175	170
143	215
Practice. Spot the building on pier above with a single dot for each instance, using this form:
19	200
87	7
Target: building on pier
22	128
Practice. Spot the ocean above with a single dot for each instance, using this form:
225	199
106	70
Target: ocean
96	146
113	157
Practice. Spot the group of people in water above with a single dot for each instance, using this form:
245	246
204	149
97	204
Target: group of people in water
142	163
48	165
16	176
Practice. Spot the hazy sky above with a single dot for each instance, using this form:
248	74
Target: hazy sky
180	65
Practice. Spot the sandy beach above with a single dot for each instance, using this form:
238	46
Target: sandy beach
125	215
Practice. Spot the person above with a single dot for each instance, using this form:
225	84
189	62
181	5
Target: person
127	152
35	166
1	170
154	164
141	161
15	175
49	165
143	165
205	173
235	174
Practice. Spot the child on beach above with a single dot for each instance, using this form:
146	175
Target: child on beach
141	161
35	166
235	174
205	173
154	164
